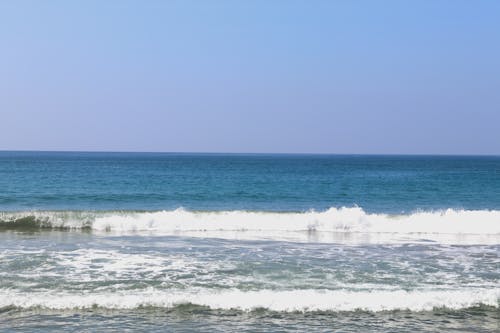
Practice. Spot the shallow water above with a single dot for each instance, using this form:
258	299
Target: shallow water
82	281
204	320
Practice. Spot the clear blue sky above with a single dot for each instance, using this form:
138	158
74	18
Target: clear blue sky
251	76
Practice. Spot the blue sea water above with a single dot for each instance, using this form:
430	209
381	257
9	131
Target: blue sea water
249	242
156	181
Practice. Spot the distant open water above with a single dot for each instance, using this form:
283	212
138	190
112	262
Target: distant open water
219	243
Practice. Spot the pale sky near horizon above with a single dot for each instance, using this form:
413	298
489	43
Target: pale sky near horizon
410	77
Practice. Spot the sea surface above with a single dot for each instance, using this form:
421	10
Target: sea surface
164	242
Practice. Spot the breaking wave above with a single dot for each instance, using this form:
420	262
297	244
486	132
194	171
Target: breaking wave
282	301
354	219
335	225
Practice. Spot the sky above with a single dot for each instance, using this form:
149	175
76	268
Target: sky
361	77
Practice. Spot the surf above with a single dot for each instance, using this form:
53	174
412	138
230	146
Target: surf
344	219
273	300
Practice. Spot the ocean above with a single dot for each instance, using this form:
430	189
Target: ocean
178	242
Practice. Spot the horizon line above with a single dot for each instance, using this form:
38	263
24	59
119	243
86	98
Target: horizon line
239	153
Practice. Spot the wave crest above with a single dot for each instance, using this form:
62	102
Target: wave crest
332	225
282	301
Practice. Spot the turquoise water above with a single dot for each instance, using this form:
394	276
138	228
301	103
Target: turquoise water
257	243
141	181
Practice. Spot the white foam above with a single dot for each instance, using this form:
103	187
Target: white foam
273	224
331	220
285	301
